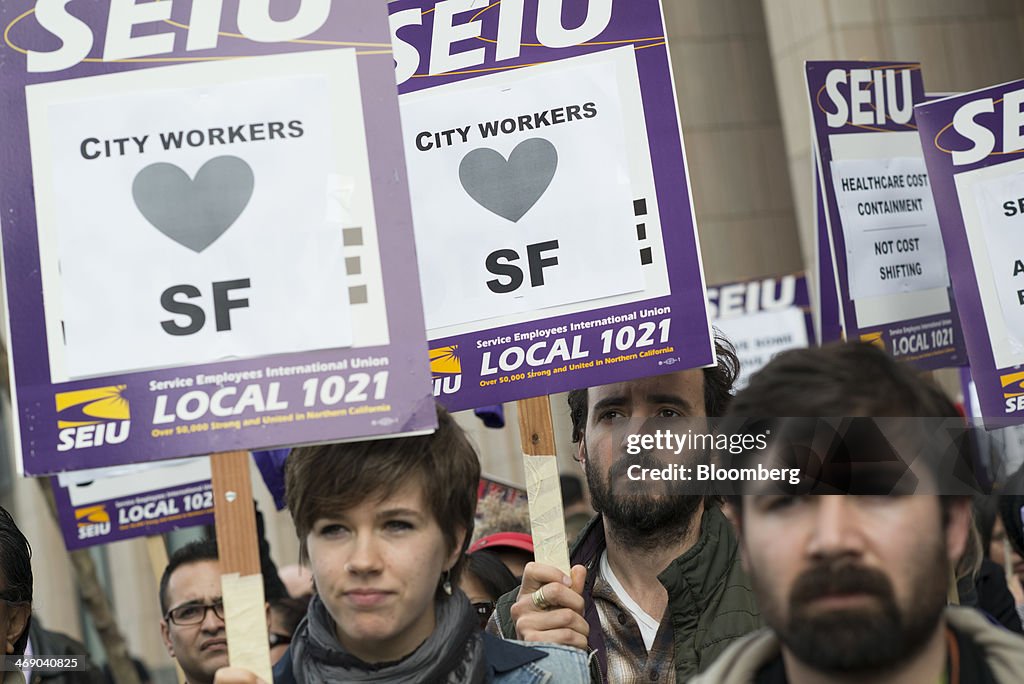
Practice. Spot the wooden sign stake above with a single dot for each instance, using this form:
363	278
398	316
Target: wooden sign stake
543	488
245	612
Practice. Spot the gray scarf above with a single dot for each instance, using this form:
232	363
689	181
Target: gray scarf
452	654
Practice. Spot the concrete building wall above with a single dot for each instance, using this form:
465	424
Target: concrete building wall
962	45
734	145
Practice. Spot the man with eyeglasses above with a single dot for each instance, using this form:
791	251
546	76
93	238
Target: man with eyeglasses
193	624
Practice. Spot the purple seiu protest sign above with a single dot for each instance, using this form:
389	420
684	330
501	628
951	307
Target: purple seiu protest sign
553	217
762	317
887	249
202	253
113	504
975	154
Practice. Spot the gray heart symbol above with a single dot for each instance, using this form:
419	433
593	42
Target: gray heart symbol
509	188
194	213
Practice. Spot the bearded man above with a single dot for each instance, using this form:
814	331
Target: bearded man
854	588
657	589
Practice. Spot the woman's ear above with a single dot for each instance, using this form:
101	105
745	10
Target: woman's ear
461	539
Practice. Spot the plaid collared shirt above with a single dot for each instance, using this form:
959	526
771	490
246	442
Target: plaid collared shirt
629	661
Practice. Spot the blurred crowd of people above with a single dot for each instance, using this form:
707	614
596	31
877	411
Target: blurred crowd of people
406	577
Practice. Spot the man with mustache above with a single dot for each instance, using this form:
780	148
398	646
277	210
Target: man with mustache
657	591
854	588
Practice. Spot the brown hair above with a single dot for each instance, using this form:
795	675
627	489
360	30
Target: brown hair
327	479
844	379
840	379
718	382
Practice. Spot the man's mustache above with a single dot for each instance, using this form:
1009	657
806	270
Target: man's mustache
832	578
644	459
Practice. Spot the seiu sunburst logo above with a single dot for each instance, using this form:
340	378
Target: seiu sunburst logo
446	370
874	338
92	417
93	521
1013	391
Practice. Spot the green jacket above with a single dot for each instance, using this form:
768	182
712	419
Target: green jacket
710	601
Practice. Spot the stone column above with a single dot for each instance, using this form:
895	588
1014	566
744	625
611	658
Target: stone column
962	45
733	136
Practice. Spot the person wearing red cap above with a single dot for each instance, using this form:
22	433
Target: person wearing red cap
515	549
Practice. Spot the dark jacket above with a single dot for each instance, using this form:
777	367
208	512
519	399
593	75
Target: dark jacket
46	643
710	601
994	597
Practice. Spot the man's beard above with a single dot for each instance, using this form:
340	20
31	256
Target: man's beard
872	638
643	520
